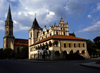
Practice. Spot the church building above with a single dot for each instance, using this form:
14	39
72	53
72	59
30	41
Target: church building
9	41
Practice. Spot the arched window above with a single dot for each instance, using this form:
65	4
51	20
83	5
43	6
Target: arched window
83	52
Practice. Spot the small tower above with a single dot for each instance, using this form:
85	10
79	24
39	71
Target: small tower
33	33
8	40
64	27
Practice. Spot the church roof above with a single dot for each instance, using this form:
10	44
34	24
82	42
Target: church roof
21	42
9	17
60	37
35	24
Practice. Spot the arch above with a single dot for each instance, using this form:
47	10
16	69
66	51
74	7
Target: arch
50	44
77	51
56	43
83	51
71	52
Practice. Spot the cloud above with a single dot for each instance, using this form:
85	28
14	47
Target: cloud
2	25
89	16
98	6
47	11
93	29
19	27
13	0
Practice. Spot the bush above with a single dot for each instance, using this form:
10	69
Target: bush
74	56
8	53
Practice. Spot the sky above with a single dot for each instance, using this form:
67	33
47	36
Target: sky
83	16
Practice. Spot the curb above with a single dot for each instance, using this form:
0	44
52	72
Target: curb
91	66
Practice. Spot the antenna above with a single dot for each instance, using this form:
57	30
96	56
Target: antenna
61	15
35	15
73	31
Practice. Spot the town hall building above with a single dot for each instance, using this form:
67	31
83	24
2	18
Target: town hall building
56	38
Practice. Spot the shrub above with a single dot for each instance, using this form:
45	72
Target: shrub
74	56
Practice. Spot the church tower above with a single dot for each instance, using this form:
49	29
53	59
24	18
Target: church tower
8	40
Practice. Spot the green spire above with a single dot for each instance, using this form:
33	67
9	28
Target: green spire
9	18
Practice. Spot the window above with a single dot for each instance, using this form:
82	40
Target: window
79	44
64	33
7	32
56	33
69	44
50	34
61	28
74	45
56	43
10	32
83	45
37	34
64	45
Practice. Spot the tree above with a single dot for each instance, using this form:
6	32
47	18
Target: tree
97	42
8	53
24	52
1	53
57	54
90	45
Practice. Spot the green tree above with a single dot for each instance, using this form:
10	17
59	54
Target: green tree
90	46
1	53
97	42
8	53
24	52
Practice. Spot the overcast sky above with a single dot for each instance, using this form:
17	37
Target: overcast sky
83	16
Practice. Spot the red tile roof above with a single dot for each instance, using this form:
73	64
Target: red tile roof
21	42
59	37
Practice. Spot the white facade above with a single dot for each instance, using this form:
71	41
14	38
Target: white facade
50	40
